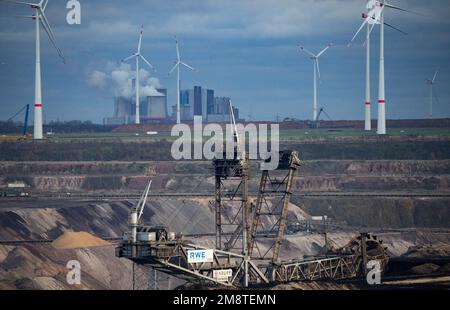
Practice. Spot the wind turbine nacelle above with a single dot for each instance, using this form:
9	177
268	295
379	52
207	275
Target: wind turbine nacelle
34	6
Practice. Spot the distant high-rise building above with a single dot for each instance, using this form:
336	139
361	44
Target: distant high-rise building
220	111
209	101
221	105
197	100
202	102
184	97
236	113
186	105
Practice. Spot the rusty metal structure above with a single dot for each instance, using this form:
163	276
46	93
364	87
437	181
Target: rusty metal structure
171	257
231	193
337	267
346	262
270	213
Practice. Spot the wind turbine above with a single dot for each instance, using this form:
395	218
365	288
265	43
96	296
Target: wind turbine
40	19
372	18
431	83
178	62
315	59
376	16
138	56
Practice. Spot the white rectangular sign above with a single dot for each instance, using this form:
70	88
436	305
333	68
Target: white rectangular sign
200	256
222	275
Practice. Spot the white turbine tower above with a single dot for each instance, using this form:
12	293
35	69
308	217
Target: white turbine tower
40	19
372	18
178	62
315	59
138	56
376	16
381	124
431	83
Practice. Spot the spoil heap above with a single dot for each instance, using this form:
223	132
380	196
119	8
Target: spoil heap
433	250
75	240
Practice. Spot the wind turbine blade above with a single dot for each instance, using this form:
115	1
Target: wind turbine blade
52	40
324	50
318	68
44	5
395	7
389	25
140	40
400	9
357	32
129	57
371	28
326	114
174	67
434	77
21	2
147	62
24	16
188	66
48	30
306	51
436	98
178	49
395	28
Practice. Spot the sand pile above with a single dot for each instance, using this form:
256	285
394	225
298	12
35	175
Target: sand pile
75	240
440	250
424	269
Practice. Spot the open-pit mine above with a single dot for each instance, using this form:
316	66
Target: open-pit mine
135	219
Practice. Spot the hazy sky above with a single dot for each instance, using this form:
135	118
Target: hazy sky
244	49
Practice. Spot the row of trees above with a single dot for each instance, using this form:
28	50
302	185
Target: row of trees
11	127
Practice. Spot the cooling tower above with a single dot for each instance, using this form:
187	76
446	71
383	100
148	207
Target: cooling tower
157	106
122	107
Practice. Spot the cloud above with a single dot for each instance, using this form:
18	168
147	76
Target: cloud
118	79
98	79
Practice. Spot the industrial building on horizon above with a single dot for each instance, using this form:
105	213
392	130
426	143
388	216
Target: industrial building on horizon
202	102
153	109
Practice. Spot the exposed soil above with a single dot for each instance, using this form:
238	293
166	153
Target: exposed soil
401	165
78	240
41	266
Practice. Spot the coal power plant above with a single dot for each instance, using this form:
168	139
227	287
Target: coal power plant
152	108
